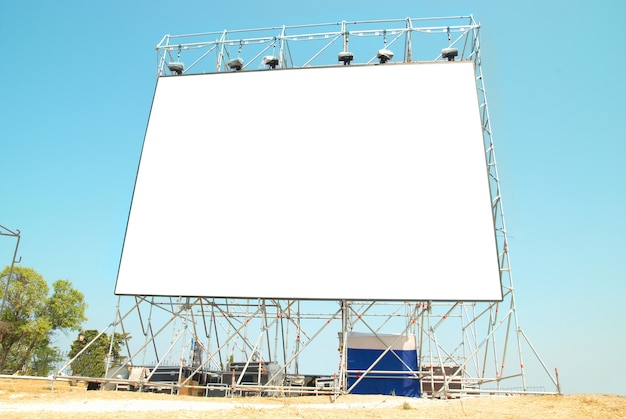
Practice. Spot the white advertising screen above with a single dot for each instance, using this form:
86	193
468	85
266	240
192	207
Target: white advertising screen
347	182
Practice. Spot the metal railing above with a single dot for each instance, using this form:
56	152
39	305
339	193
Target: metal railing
339	43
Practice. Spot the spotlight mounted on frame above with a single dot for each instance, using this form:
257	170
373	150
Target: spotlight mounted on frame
449	53
176	67
270	61
345	57
235	64
384	55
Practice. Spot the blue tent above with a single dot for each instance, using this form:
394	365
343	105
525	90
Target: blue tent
393	362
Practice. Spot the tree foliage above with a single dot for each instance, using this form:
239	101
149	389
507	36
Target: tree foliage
29	317
93	359
43	359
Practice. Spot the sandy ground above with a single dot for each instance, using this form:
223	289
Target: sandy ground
26	398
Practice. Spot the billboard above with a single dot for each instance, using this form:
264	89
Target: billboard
344	182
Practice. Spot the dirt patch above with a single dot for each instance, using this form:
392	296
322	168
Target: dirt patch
21	398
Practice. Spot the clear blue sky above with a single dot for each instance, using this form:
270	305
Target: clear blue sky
76	85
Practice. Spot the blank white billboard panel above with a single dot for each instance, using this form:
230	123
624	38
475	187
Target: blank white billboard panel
361	182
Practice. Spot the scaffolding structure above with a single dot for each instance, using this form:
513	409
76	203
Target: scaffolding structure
228	346
4	231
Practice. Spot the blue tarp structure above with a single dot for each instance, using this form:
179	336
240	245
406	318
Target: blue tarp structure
395	373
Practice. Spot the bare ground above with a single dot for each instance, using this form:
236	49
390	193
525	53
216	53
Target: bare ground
27	398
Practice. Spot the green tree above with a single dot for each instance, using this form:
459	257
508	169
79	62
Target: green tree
29	317
92	361
44	358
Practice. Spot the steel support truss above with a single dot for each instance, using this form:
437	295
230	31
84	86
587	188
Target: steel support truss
301	46
5	286
289	347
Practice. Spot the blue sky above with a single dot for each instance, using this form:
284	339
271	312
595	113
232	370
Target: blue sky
76	86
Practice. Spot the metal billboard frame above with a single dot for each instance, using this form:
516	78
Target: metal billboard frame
464	347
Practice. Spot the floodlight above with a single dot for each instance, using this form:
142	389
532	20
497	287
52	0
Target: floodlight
384	55
449	53
176	67
345	57
270	61
235	64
